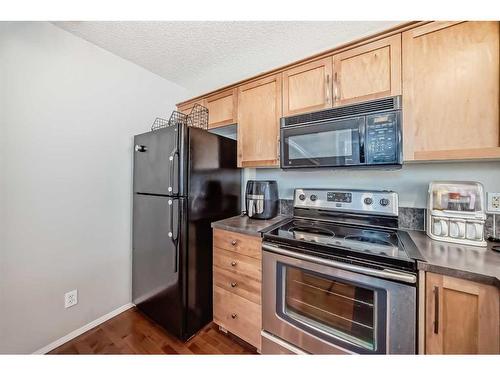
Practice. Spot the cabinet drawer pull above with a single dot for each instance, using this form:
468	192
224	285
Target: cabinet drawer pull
233	242
436	310
234	316
233	264
233	284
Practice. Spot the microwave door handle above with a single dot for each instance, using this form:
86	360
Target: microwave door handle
361	130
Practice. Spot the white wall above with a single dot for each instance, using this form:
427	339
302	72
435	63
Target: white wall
68	111
410	182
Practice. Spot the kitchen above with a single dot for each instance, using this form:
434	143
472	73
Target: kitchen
311	206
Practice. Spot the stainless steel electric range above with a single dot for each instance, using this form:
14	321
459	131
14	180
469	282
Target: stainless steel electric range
339	277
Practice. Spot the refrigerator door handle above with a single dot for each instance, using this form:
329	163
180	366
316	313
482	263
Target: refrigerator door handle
174	234
172	158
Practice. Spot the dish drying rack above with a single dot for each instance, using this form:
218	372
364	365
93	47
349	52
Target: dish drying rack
197	118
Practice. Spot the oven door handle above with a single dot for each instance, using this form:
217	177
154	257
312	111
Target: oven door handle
384	273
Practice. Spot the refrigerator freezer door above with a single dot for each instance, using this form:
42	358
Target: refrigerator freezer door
156	162
157	260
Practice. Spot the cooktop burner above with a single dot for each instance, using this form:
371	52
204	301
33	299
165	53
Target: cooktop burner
354	238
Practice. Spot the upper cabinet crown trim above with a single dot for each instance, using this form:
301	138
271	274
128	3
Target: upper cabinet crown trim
355	43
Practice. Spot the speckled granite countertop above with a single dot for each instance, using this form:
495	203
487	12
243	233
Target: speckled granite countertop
480	264
243	224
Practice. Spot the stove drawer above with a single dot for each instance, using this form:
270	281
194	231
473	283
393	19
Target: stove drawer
238	315
238	284
237	242
237	263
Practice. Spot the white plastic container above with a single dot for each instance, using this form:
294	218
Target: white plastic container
456	212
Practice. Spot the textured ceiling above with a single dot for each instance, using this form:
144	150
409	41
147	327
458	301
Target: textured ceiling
202	56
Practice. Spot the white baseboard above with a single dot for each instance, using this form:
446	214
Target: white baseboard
85	328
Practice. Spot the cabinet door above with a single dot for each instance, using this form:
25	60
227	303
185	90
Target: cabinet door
308	87
450	91
462	317
259	111
222	108
368	72
187	107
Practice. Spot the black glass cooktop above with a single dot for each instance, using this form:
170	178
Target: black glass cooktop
342	239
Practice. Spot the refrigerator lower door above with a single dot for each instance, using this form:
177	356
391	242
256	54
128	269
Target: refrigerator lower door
157	278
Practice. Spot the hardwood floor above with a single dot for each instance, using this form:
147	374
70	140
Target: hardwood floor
133	333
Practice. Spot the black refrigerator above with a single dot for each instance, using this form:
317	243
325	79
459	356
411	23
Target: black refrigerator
184	179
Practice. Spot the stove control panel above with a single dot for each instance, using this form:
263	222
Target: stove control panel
375	202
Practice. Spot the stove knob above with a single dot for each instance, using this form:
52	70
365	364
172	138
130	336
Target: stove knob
302	197
368	201
313	198
384	202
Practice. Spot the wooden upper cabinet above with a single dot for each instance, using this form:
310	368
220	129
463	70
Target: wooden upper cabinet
222	108
259	112
187	107
462	317
368	72
308	87
451	91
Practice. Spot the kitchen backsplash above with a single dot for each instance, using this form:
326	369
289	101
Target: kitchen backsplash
411	182
409	218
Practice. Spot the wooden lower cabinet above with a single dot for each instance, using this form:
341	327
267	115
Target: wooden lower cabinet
461	317
237	280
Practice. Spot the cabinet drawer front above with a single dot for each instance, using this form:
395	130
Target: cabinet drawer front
238	315
237	263
241	285
240	243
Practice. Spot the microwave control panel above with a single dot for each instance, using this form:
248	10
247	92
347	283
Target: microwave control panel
382	138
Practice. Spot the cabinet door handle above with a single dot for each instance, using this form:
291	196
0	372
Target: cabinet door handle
234	316
233	264
328	89
233	284
233	242
335	88
436	310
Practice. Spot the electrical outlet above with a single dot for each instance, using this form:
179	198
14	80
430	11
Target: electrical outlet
71	298
493	202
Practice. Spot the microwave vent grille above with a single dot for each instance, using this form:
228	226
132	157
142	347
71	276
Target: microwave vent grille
386	104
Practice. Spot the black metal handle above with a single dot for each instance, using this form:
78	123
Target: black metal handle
173	155
171	233
234	316
233	284
436	310
140	148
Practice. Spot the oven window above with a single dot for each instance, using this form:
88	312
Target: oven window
339	309
335	143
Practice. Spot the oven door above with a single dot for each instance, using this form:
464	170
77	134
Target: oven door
326	144
327	310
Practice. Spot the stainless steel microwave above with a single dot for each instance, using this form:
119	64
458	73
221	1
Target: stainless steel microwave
364	134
